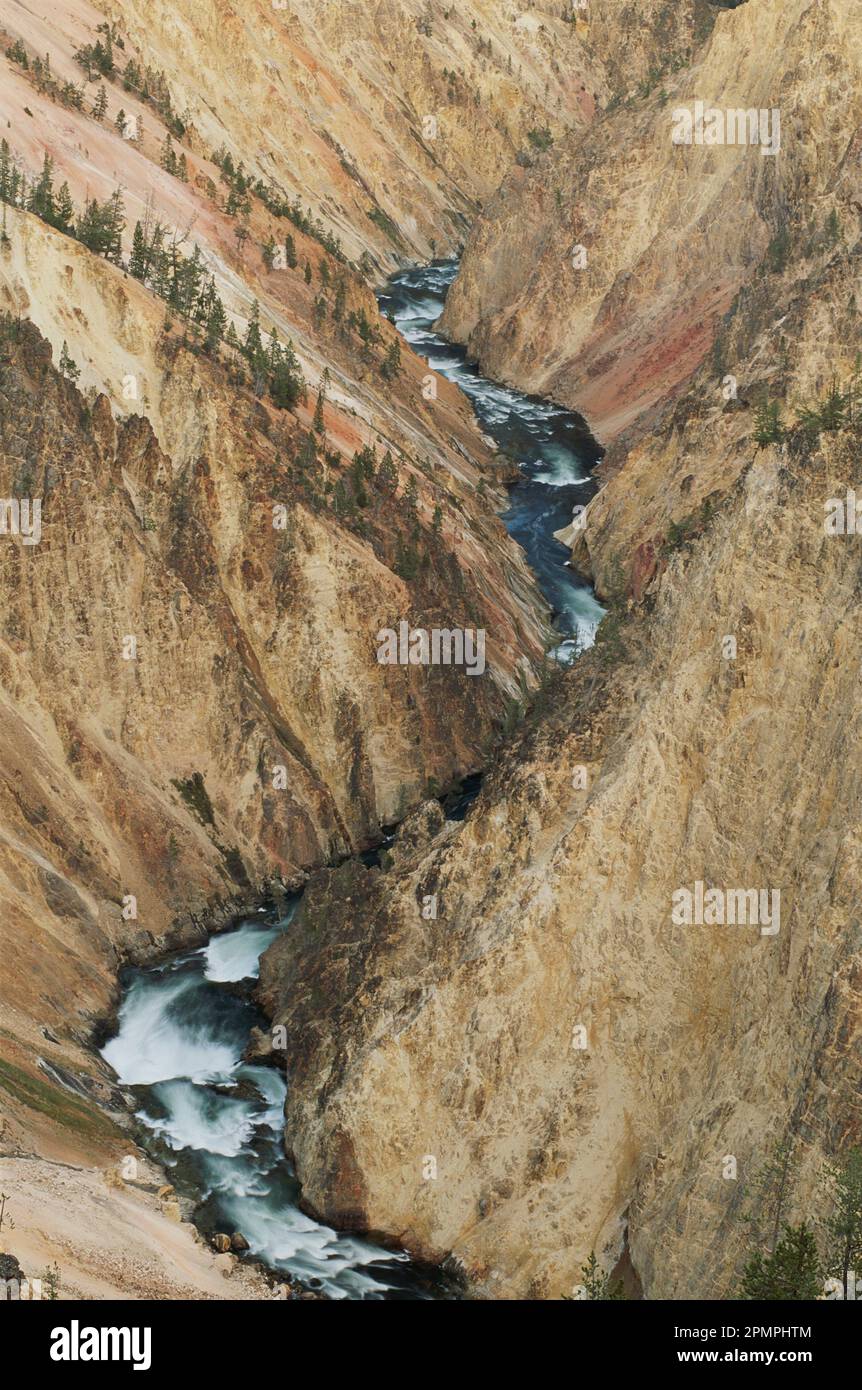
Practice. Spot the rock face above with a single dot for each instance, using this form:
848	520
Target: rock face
503	1048
390	121
193	712
667	233
550	1062
193	707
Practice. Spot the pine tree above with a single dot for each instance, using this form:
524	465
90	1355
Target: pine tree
18	53
392	361
115	221
168	158
290	252
253	343
215	324
387	474
406	561
844	1226
138	258
307	455
341	504
273	350
828	413
120	121
64	212
100	105
767	424
68	367
41	200
287	387
358	482
411	498
7	169
792	1271
366	332
318	424
365	462
308	272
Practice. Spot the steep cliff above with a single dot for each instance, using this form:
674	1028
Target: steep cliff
547	1063
193	713
550	1064
601	276
390	120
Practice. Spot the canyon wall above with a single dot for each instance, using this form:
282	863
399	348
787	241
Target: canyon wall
550	1064
503	1050
193	713
391	120
601	275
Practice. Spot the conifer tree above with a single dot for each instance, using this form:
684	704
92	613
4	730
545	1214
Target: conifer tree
792	1271
215	324
168	158
387	474
844	1225
767	425
68	366
114	222
392	362
100	105
319	425
138	258
64	211
41	200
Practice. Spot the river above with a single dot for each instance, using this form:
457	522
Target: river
552	446
214	1121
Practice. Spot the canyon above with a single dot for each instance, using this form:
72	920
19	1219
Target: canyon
669	757
577	1064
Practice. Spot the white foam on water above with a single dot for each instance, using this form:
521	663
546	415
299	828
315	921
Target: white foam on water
285	1237
585	613
175	1036
236	955
557	466
201	1119
155	1044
